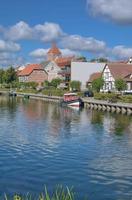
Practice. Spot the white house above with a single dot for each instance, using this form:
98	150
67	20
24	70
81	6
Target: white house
113	71
81	71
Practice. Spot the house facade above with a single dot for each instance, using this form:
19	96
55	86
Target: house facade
113	71
64	64
52	70
33	73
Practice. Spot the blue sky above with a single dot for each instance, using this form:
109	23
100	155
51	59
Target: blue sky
92	28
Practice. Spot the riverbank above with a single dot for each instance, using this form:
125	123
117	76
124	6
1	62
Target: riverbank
89	103
48	98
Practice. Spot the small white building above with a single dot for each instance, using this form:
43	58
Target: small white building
113	71
81	71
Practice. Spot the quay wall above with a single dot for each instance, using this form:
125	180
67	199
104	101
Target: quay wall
124	108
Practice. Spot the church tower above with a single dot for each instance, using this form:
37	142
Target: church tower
53	53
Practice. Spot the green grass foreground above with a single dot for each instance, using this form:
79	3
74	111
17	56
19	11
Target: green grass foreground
60	193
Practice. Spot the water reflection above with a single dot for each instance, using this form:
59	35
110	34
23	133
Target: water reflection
42	143
113	123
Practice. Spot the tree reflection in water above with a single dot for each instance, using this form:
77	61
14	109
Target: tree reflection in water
115	123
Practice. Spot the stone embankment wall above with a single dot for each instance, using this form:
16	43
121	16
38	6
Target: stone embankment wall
124	108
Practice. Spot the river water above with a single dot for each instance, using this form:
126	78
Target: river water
44	144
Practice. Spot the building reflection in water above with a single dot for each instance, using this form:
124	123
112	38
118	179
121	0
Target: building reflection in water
55	118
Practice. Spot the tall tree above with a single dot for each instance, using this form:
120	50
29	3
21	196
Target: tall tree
10	75
75	85
120	84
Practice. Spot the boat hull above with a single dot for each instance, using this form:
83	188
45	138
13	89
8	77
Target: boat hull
73	103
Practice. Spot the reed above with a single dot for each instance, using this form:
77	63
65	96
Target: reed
60	193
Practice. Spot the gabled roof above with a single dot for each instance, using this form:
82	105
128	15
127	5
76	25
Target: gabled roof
120	70
63	61
54	50
94	76
29	68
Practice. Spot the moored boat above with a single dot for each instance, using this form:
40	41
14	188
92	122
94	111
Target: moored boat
72	99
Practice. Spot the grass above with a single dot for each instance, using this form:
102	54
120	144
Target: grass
60	193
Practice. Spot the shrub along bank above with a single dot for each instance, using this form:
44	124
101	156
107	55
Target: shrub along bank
113	97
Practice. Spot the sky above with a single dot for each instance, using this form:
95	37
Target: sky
91	28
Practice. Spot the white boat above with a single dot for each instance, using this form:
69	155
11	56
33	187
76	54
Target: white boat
72	99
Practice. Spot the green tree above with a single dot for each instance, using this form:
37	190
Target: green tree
98	60
55	82
103	60
97	84
2	72
82	59
10	75
75	85
120	84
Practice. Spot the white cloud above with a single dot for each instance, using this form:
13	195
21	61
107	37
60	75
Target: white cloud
10	59
7	46
68	52
122	52
42	53
39	53
19	31
119	11
48	32
78	43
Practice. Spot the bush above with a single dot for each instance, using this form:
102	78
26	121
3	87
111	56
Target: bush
126	98
113	96
106	96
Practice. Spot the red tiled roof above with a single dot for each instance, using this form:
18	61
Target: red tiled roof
120	70
94	76
63	61
29	68
54	50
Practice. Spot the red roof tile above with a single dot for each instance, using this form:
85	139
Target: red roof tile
29	68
